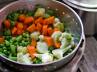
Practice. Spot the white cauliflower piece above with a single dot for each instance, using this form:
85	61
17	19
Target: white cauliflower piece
24	58
57	20
42	47
35	35
58	53
59	25
41	37
40	12
21	49
56	35
66	39
46	57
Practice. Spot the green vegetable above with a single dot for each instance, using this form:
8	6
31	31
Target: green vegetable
12	23
19	38
7	43
13	16
37	61
7	32
13	49
50	49
12	57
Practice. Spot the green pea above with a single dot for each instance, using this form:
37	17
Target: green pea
4	48
2	54
7	32
12	23
7	43
19	38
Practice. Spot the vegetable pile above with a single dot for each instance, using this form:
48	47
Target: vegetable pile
35	37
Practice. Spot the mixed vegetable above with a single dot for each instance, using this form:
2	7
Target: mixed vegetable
35	37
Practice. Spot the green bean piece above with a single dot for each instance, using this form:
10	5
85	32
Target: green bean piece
12	57
13	49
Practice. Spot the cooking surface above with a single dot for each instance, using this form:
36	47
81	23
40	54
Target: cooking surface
87	64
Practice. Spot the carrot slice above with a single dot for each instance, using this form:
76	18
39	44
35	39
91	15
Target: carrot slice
49	41
14	30
22	18
1	39
50	31
31	51
39	27
31	28
44	29
19	31
28	20
34	43
19	25
57	44
39	20
49	20
7	23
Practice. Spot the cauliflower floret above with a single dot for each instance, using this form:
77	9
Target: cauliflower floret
56	35
24	58
40	12
59	25
21	49
45	58
42	47
66	39
35	35
66	35
58	53
64	43
41	37
56	20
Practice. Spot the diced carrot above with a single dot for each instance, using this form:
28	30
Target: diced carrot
44	29
39	27
49	41
28	20
19	25
31	51
49	20
31	28
22	18
14	30
39	20
33	43
57	44
25	27
19	31
50	31
7	23
1	39
56	29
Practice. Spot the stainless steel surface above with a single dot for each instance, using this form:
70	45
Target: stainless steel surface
85	3
65	13
89	9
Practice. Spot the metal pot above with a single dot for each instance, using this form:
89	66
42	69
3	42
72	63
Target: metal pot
65	13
